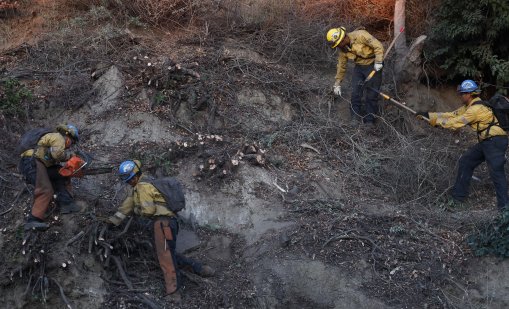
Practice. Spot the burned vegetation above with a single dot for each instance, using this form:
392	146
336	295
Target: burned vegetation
245	119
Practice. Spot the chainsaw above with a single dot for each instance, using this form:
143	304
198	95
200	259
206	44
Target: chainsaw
80	165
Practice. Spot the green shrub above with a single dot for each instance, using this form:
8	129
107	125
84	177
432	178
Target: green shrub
12	96
469	40
492	238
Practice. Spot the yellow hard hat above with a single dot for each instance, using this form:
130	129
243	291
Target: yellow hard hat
335	36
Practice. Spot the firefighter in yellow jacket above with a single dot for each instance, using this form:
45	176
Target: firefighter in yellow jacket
42	151
146	201
367	53
492	144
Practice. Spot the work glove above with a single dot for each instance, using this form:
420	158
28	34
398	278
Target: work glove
422	115
337	89
115	220
378	66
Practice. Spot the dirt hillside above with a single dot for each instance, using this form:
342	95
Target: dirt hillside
291	205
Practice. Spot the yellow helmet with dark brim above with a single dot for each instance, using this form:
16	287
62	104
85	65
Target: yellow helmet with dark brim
335	36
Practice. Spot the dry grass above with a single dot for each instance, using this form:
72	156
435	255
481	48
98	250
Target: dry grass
375	15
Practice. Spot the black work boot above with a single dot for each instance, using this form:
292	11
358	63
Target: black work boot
69	208
34	223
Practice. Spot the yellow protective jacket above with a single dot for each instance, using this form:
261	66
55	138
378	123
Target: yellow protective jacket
476	115
50	149
364	49
144	200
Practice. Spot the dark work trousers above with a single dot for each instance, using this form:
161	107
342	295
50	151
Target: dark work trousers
165	239
360	73
493	152
46	182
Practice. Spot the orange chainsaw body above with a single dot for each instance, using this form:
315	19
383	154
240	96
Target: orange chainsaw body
73	167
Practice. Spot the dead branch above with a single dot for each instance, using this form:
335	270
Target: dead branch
91	238
101	234
143	298
75	238
305	145
121	271
126	228
62	294
7	211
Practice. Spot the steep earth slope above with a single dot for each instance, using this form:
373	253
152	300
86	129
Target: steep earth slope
293	208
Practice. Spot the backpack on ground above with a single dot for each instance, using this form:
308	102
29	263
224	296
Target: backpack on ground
30	138
171	189
500	107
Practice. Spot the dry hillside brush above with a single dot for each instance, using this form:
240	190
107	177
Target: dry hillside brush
288	31
404	164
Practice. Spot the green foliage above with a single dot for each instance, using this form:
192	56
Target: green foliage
492	238
154	157
12	96
469	39
160	98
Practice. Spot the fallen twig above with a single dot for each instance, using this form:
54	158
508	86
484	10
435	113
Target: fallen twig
101	234
121	270
7	211
310	147
91	238
62	294
279	188
75	238
124	230
143	298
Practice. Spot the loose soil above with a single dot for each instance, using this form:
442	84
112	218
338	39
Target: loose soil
291	206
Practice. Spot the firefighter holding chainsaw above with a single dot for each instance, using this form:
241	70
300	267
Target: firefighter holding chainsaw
149	199
492	144
42	151
367	53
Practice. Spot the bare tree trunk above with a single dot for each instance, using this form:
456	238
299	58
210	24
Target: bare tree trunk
407	66
399	24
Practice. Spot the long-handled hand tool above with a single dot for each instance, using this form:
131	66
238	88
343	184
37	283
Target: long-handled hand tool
373	72
397	103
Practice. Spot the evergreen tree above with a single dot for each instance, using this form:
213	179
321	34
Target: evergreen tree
469	39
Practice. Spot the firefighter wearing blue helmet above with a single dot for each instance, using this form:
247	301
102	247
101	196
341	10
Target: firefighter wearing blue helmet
42	151
147	201
491	147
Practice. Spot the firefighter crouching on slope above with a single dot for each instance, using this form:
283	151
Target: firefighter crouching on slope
367	53
491	147
147	201
40	167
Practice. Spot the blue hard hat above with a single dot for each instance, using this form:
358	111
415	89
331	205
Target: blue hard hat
127	170
73	132
468	86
